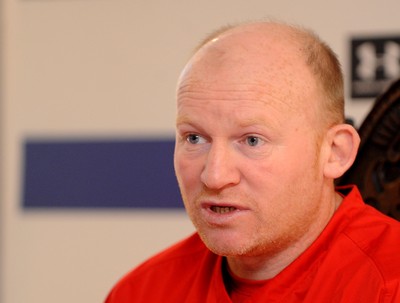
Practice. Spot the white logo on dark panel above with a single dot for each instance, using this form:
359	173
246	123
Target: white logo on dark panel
370	60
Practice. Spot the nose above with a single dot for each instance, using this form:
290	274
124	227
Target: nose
220	169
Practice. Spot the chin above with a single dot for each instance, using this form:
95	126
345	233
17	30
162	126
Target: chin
225	244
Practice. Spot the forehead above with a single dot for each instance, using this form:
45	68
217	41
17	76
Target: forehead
232	113
233	98
234	105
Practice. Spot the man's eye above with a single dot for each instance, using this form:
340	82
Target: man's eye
194	139
253	141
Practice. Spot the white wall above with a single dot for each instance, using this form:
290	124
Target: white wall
108	68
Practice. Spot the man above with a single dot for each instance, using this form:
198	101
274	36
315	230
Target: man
260	139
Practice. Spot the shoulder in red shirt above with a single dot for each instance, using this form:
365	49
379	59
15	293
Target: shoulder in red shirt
355	259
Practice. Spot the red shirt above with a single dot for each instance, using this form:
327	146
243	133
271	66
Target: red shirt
356	259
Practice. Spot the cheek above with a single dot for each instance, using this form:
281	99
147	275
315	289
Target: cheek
300	158
187	172
288	169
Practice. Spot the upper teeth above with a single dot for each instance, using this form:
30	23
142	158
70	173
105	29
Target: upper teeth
222	209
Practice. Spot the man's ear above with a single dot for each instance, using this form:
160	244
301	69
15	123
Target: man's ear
343	141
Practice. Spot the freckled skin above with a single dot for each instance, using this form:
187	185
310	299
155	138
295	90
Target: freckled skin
253	85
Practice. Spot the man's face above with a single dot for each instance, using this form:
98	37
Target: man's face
246	156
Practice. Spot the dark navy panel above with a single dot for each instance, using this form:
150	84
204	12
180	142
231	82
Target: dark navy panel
100	174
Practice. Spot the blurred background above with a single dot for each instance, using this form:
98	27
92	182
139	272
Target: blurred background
104	70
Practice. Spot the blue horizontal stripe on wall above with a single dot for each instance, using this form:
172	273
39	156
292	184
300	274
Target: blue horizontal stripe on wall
100	174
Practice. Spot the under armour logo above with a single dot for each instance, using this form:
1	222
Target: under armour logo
370	60
375	63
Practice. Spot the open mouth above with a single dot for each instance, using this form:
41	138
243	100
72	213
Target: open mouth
222	209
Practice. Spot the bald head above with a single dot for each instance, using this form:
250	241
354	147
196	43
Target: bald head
256	127
259	51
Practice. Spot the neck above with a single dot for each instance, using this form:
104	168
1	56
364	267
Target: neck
267	265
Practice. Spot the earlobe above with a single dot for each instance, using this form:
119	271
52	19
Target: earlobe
343	141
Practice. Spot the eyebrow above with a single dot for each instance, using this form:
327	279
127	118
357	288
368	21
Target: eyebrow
252	121
248	122
183	120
